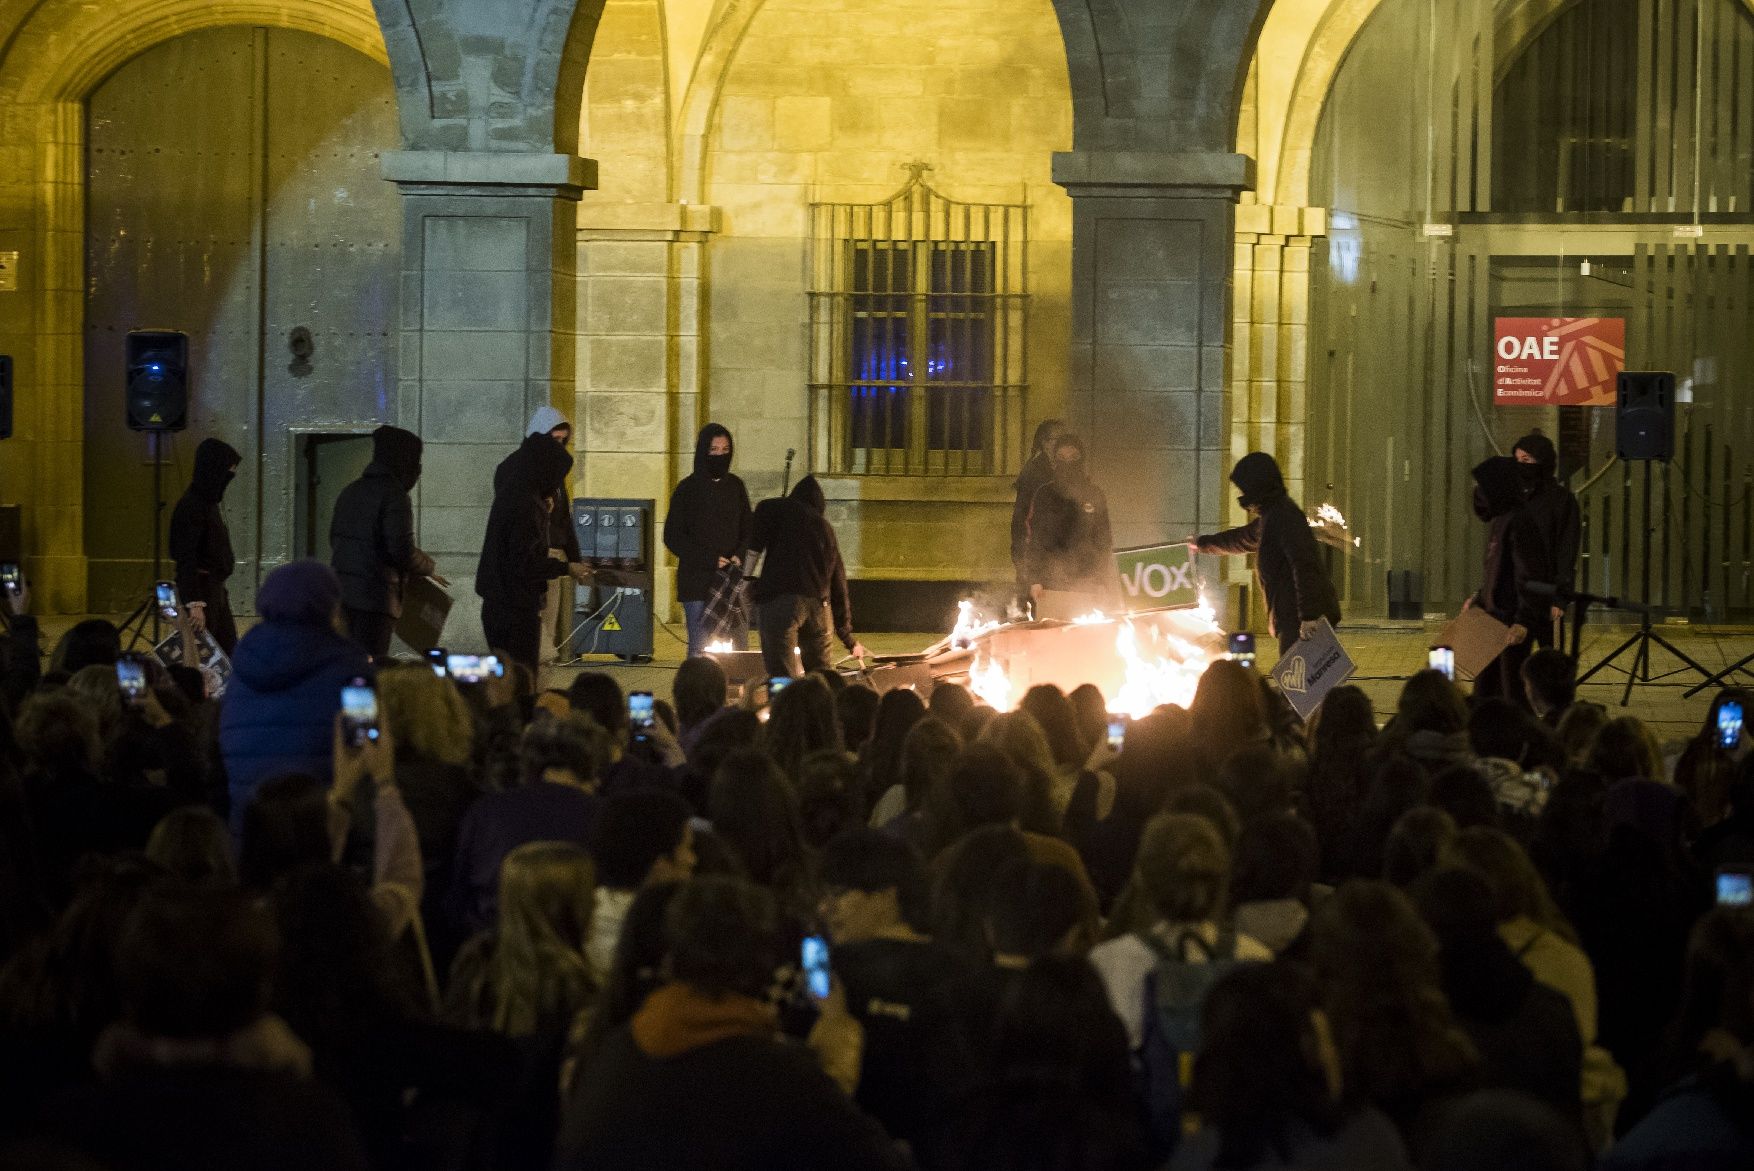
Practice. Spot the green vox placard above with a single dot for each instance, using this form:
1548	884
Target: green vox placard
1157	578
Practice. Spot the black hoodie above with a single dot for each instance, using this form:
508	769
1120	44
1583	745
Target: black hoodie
515	567
200	544
1516	554
803	557
561	534
1070	543
371	536
1288	565
709	518
1552	507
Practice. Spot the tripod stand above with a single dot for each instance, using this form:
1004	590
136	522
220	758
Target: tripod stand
1722	677
1640	671
136	621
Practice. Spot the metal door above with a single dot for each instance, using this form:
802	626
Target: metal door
233	192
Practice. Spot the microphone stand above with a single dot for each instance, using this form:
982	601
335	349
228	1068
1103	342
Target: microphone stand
1640	671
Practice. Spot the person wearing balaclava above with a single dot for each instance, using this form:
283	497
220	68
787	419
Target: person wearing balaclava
1069	543
1038	469
515	568
708	528
548	427
200	543
801	594
1516	554
371	540
1555	513
1288	566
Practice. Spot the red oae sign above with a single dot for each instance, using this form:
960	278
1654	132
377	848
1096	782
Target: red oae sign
1557	361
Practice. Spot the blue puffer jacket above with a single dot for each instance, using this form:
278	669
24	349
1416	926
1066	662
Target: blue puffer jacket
279	713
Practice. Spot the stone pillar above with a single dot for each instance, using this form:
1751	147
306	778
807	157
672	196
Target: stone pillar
1151	271
639	401
489	313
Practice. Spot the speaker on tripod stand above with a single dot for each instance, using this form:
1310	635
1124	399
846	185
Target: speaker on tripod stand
1644	432
156	401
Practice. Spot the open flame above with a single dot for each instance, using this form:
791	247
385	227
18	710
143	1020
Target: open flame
1330	526
720	647
969	625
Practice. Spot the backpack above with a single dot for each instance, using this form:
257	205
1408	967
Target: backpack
1175	993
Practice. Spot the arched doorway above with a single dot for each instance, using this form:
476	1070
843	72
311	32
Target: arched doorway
233	192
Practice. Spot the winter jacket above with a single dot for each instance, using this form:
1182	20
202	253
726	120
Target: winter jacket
1070	544
1293	583
1037	472
561	534
1516	552
803	557
515	567
287	675
708	1084
372	533
1554	513
709	518
199	542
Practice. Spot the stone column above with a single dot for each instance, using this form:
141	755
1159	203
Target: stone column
1151	270
489	311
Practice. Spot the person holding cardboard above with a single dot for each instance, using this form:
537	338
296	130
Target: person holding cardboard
1516	554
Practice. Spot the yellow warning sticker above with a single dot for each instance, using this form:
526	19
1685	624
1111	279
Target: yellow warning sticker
611	623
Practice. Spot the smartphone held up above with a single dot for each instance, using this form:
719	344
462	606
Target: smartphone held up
359	713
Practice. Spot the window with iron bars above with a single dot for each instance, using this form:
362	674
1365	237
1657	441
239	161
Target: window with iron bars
919	313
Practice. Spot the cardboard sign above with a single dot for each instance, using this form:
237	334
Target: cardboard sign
1313	667
1557	361
425	608
1477	638
1160	577
214	665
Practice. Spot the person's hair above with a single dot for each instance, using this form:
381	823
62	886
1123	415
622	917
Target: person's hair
635	972
1058	721
1495	1129
974	722
897	713
1464	793
1257	1079
426	714
722	735
965	887
196	963
1416	844
1045	430
829	796
575	744
928	756
1707	772
723	937
872	862
984	788
1717	988
700	689
1377	963
1183	868
98	687
285	826
1257	780
1091	712
1020	738
1209	803
534	973
1518	890
1578	727
57	732
81	989
951	703
1498	727
1430	702
634	829
1624	747
1227	708
1035	907
801	721
93	642
1550	676
1276	858
856	708
599	695
1345	724
194	845
1397	785
754	811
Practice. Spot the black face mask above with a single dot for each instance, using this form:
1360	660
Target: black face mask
717	466
1532	474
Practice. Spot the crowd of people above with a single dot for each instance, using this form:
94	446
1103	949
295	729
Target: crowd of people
517	930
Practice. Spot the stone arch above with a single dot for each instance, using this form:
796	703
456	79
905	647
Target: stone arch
701	100
626	104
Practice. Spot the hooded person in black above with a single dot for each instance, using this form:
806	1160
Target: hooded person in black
1288	566
548	428
708	528
1070	544
1516	554
200	544
803	582
1037	470
1555	514
371	539
515	568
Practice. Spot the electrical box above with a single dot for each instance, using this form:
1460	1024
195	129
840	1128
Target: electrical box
615	614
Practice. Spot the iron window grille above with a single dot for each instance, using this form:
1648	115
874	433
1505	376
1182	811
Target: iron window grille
919	311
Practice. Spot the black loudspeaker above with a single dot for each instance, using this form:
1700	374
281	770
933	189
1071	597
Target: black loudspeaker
1644	421
157	363
5	397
